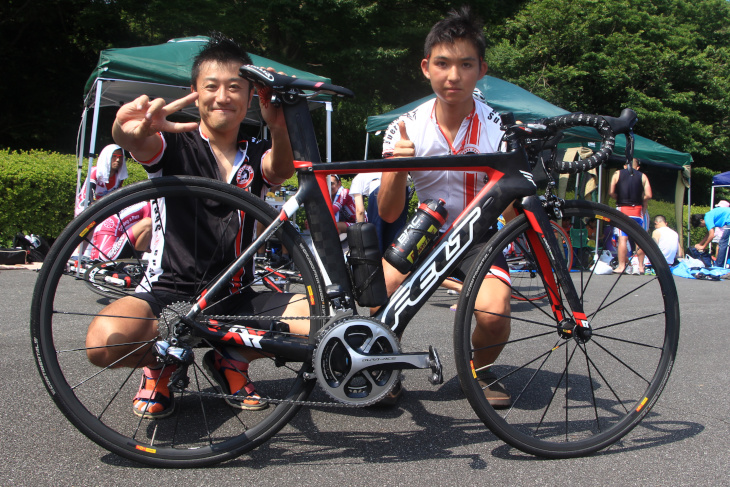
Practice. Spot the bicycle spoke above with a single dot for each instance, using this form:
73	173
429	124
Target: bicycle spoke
203	428
563	407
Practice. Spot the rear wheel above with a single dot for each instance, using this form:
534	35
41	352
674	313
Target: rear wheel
203	429
573	394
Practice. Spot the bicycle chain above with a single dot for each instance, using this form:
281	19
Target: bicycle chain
271	399
277	401
261	317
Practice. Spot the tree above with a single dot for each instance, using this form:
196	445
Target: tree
373	48
668	60
48	49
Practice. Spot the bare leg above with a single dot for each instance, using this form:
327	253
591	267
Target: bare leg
142	231
492	312
126	321
640	256
622	253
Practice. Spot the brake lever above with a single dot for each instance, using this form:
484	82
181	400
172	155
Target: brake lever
624	124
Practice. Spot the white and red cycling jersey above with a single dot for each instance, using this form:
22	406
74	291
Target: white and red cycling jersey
97	187
115	235
344	206
479	133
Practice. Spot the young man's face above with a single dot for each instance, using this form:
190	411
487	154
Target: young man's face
335	186
454	70
224	97
116	161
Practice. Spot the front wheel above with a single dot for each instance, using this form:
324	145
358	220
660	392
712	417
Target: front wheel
572	393
204	428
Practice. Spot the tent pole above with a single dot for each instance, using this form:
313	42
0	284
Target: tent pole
689	210
92	142
328	107
80	154
712	205
367	143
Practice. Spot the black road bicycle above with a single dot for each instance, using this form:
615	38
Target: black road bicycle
584	365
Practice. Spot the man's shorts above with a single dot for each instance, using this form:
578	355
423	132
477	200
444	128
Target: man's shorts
643	223
499	270
249	303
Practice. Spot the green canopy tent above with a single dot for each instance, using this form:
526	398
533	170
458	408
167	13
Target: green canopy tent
162	71
507	97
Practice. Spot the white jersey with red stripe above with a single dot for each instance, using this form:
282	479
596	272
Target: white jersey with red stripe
111	237
479	133
344	206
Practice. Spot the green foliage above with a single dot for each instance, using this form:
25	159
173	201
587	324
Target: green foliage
37	192
702	184
666	60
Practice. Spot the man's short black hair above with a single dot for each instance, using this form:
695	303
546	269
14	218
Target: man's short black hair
696	220
660	218
459	24
219	49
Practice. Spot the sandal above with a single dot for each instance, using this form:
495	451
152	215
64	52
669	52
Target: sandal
216	365
495	392
154	399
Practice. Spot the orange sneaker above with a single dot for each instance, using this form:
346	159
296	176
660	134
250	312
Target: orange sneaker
154	399
232	377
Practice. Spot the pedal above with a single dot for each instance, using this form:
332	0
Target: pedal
437	374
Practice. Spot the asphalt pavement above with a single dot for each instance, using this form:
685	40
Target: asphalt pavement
432	438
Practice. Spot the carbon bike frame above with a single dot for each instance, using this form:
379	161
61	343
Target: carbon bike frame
508	179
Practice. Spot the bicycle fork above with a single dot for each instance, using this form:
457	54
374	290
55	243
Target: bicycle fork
551	263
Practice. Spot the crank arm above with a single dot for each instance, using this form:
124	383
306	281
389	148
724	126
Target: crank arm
401	361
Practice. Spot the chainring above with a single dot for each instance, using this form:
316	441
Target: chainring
342	360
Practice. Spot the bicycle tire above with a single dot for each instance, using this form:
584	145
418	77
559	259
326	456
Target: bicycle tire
526	281
98	401
569	398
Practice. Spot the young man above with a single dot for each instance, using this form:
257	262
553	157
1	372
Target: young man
453	123
215	149
666	239
362	185
717	217
632	191
108	174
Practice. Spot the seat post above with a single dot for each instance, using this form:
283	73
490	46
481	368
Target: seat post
301	130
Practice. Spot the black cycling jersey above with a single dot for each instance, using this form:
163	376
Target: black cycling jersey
629	188
177	262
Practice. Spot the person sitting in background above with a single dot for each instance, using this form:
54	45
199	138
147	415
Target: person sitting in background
362	185
666	238
718	230
108	174
343	204
717	217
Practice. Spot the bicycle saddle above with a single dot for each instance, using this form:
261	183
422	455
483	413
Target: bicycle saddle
282	84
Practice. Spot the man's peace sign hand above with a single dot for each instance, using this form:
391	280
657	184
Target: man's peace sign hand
142	118
137	123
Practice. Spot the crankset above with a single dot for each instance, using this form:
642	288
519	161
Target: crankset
358	360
